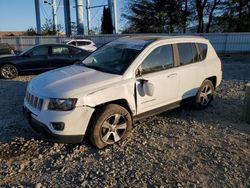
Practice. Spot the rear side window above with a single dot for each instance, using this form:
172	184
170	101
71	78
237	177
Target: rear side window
83	43
188	53
202	51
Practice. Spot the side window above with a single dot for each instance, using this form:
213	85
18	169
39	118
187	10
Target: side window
43	50
159	59
83	43
187	53
202	51
58	50
73	43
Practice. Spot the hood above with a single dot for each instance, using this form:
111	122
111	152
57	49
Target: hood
70	81
7	57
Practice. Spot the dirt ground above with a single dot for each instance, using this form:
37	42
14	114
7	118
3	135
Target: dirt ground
179	148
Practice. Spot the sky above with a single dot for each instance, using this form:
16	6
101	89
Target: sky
19	15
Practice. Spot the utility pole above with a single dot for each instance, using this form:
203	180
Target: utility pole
79	17
88	16
54	16
38	18
112	7
67	20
53	5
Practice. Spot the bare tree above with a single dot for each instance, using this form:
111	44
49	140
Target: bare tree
200	8
211	10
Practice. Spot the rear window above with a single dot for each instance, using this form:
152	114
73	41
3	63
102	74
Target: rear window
75	51
202	51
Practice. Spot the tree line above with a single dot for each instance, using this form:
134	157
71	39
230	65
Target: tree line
171	16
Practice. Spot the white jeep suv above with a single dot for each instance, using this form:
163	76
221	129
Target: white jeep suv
126	79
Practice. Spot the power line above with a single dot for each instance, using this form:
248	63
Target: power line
98	10
58	5
44	13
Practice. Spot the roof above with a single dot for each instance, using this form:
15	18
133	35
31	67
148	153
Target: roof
159	37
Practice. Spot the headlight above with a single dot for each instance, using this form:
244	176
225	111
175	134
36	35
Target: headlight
62	104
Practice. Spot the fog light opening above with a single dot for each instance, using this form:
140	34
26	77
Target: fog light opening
58	126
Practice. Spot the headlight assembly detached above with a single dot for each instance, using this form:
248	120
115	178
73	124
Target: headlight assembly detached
62	104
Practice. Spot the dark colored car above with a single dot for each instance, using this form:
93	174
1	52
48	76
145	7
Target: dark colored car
40	58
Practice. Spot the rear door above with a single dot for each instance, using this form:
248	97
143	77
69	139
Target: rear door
158	69
60	56
191	70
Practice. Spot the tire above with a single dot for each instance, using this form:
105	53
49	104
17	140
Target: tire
109	125
205	95
8	71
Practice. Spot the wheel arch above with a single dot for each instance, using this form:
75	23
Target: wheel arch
213	79
122	102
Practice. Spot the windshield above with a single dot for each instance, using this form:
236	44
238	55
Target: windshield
115	57
26	50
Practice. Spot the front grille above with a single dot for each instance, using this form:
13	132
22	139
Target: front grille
34	101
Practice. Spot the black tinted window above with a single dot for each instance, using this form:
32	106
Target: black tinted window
159	59
83	43
202	51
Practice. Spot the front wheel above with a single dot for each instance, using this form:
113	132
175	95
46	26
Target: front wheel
109	125
205	95
8	71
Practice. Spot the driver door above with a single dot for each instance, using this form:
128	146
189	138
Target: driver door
158	70
36	59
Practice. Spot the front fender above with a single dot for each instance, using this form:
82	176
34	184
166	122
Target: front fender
122	90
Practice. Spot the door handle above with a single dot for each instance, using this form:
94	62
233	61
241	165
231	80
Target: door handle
172	75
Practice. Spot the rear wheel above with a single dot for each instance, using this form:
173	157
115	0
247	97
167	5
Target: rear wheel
109	125
205	95
8	71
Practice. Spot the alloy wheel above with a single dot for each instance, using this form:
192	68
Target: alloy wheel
206	95
8	71
113	129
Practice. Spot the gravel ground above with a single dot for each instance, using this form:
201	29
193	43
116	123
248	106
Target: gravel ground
179	148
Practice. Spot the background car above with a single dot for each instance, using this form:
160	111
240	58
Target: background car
6	50
82	43
41	58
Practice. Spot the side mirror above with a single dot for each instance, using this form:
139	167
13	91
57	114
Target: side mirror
148	88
